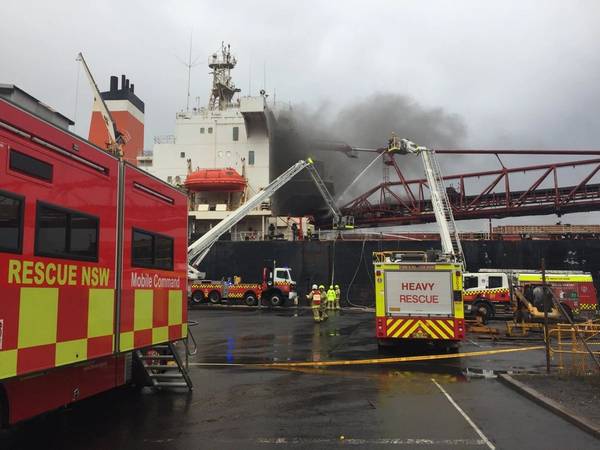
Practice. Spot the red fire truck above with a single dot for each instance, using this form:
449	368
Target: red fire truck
276	287
574	290
488	292
93	266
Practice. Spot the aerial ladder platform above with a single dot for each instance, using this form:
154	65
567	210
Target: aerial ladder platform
340	222
198	249
450	239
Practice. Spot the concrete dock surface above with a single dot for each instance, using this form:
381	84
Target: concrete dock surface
235	404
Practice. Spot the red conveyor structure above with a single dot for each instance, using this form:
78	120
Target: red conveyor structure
483	194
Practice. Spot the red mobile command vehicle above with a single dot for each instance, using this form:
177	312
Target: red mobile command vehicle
93	266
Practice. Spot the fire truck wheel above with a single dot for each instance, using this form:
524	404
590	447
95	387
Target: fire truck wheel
276	299
3	409
452	348
197	297
250	299
522	315
484	310
568	311
214	297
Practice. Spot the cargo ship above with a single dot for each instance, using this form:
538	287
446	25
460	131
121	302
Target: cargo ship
223	153
349	263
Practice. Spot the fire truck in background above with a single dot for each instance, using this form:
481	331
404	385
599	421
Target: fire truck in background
276	287
487	294
574	290
90	274
277	284
418	295
491	292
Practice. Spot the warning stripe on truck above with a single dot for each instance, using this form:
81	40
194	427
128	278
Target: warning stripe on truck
420	328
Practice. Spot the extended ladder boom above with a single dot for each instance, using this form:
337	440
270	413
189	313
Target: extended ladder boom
339	221
439	198
198	249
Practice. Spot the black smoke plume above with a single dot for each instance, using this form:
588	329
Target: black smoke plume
299	132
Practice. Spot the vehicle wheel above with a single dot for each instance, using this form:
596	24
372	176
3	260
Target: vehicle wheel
384	347
522	315
250	299
569	313
3	410
214	297
483	310
197	297
452	348
276	299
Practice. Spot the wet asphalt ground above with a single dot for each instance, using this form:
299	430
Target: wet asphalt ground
234	405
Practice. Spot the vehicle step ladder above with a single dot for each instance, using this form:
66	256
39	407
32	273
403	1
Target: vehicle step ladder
164	367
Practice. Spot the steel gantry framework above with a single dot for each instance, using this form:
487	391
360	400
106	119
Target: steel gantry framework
483	194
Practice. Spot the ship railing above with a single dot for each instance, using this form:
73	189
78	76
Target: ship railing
246	236
164	139
280	234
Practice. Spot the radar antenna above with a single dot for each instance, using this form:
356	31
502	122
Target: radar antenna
223	88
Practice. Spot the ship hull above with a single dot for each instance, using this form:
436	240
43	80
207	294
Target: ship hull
351	263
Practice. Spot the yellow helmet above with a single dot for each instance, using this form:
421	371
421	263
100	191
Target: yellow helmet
331	287
337	286
321	287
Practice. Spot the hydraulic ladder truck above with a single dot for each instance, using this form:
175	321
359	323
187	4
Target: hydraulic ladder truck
418	295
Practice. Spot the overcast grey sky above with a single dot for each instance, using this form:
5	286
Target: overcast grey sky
519	73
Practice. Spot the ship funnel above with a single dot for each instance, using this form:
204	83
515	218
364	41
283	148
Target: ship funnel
114	84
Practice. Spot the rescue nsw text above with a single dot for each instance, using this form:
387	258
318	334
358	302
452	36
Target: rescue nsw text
56	274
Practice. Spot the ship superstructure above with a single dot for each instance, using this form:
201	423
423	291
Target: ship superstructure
228	138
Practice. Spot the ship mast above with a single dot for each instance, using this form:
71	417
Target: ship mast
223	88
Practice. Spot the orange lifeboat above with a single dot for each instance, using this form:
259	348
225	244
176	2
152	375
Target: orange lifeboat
215	180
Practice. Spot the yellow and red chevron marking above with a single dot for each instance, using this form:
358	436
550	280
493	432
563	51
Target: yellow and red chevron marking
419	327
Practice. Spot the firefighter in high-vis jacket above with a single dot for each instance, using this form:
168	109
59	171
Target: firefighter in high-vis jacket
331	298
338	296
315	299
323	300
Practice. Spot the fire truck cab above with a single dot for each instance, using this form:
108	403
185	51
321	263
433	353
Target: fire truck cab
486	294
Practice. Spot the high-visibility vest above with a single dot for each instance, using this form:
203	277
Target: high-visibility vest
331	294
